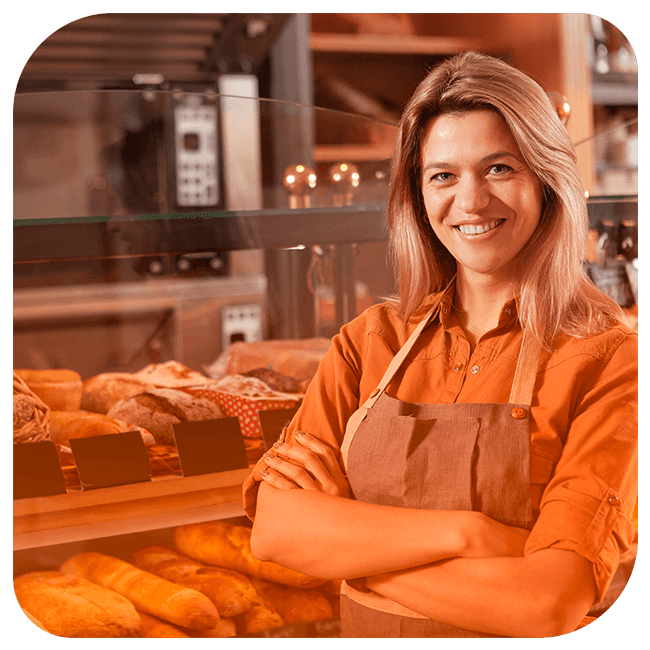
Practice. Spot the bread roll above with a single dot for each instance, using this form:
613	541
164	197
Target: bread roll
159	409
60	390
149	593
102	391
232	593
72	606
219	543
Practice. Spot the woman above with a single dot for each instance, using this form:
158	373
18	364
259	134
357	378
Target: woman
486	478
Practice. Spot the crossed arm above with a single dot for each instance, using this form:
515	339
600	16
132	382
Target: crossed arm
459	567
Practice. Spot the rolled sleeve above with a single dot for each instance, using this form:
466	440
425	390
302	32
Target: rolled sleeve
588	504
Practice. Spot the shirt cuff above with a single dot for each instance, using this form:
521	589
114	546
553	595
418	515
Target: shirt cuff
594	528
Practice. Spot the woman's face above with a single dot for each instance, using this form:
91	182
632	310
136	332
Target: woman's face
481	199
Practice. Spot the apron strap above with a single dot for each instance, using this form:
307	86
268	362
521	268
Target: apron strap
401	355
526	371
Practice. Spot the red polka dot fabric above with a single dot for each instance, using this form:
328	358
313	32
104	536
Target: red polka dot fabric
245	408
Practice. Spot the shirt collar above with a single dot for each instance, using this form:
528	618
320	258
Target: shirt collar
509	311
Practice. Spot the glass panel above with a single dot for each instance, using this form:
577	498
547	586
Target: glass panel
121	153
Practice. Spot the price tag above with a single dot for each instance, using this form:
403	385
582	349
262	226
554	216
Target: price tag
115	459
273	421
210	446
37	470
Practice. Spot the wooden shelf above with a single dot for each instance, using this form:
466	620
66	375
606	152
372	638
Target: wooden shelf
92	514
353	152
394	44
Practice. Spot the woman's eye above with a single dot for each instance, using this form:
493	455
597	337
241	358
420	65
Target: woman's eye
442	177
499	170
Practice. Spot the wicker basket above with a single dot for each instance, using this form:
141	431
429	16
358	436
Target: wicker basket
38	428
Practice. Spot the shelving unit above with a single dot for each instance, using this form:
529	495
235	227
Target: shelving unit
93	514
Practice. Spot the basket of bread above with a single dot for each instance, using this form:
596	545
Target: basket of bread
31	414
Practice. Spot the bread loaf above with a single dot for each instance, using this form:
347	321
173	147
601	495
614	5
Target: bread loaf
24	410
154	628
149	593
232	593
65	425
102	391
157	410
219	543
225	628
72	606
171	374
60	390
293	604
259	618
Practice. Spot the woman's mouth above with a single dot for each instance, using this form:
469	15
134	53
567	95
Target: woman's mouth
479	229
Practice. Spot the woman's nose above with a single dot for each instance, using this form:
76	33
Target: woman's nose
472	195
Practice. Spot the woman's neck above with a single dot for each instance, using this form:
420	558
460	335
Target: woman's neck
478	302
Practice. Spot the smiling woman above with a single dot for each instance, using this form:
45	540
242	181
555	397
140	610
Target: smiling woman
481	198
465	457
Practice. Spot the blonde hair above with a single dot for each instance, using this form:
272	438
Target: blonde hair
556	296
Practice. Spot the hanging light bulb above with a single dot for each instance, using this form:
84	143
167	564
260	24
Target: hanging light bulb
346	179
299	181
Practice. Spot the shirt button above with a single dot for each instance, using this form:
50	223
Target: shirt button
474	369
518	413
614	501
458	366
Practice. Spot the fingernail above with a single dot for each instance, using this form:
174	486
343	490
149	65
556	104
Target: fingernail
278	445
264	472
269	458
300	434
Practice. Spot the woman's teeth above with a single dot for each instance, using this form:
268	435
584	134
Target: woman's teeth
468	229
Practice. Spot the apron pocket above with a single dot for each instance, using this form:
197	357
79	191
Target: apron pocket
413	463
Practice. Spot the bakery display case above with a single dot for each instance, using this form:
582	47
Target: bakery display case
189	247
166	244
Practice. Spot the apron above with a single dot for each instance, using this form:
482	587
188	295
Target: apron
436	456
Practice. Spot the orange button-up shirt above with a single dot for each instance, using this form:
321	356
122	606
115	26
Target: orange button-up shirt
583	425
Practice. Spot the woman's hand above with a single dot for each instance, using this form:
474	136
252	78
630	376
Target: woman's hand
309	465
487	537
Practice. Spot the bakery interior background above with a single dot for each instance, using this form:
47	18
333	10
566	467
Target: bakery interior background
200	196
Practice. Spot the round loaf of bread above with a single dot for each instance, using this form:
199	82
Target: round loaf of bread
171	374
103	391
59	389
157	410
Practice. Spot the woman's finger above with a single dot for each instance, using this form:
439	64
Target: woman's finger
324	451
319	460
296	473
277	480
310	461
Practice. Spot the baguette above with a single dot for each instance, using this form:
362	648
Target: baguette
259	618
154	628
219	543
71	606
149	593
225	628
232	593
294	604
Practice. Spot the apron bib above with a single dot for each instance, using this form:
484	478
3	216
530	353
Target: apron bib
438	457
